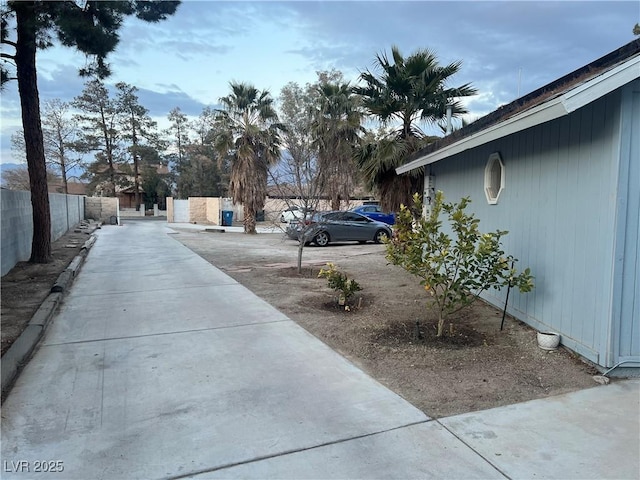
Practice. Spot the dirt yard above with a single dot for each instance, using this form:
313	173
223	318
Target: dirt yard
478	367
26	286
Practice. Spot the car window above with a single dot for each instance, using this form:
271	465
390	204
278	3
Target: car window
369	209
377	209
333	216
354	217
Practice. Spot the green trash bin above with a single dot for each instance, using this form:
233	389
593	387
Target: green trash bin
227	218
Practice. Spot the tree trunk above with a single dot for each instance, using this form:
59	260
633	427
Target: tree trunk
63	168
112	175
65	187
62	163
249	220
32	127
440	324
109	153
335	202
300	249
136	172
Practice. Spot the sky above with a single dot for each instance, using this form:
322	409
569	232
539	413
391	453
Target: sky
507	49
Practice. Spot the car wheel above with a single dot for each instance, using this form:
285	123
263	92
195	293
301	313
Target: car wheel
321	239
381	235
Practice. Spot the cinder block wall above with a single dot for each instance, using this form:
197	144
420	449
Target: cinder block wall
17	227
16	222
273	207
213	210
75	206
198	209
208	209
237	209
66	211
170	210
101	208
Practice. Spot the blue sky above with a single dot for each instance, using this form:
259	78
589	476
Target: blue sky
189	60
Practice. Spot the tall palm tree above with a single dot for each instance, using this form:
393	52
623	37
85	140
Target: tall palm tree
336	128
403	94
246	133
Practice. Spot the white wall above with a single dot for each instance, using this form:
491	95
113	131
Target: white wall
181	211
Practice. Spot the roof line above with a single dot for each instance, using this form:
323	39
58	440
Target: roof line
584	84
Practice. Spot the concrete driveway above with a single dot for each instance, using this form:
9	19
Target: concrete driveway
160	366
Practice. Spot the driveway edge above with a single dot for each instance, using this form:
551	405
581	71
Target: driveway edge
18	355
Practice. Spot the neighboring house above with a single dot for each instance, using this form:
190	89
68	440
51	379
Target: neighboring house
127	196
73	188
560	170
125	189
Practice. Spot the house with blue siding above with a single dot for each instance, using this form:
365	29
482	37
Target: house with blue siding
560	170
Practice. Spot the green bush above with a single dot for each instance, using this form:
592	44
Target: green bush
455	269
339	282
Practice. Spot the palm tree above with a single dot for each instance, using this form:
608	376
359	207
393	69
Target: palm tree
246	133
406	92
336	127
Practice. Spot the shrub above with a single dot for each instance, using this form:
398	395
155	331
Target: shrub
339	282
454	271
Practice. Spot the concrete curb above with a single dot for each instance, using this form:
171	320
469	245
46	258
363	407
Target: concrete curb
63	282
20	351
88	244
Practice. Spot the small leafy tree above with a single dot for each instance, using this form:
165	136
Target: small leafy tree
454	269
339	282
299	178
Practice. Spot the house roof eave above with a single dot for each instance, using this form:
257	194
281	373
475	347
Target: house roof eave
571	100
535	116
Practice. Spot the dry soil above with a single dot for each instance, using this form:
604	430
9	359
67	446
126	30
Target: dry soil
389	332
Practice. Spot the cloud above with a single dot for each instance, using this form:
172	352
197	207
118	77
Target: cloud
197	29
188	60
494	40
160	104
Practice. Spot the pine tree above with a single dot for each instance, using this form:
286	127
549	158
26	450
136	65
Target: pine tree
92	28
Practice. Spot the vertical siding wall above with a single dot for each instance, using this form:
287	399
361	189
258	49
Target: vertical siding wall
626	284
17	222
558	205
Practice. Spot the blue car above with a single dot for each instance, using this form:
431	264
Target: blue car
374	212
